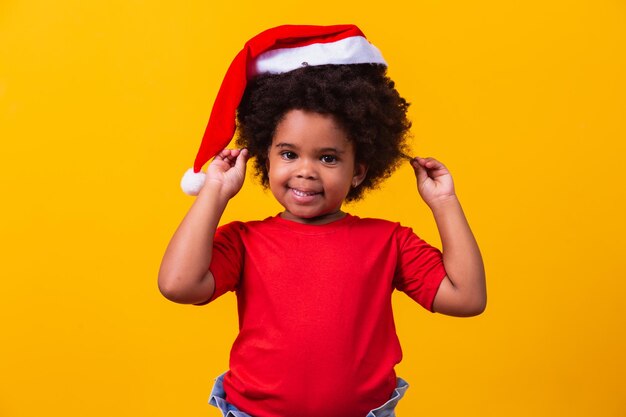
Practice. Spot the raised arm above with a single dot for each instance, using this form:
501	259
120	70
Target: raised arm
184	276
463	291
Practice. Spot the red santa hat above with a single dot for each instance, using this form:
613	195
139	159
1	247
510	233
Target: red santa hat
275	51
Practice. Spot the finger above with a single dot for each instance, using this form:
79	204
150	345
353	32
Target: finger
225	153
221	159
229	154
234	153
420	172
433	167
242	158
232	156
432	164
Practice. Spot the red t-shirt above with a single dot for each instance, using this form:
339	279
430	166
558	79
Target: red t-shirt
316	330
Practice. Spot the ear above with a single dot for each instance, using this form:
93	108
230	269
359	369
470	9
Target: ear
360	172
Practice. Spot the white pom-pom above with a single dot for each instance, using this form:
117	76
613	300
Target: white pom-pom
192	182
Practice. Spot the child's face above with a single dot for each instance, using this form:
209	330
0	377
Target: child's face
311	167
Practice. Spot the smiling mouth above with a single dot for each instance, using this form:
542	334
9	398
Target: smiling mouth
301	193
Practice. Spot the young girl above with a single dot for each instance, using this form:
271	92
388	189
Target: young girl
324	124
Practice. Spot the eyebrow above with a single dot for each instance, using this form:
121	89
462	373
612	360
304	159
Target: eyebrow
284	145
291	146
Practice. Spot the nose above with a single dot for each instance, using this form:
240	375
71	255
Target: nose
306	169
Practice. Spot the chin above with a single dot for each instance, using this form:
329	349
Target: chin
305	214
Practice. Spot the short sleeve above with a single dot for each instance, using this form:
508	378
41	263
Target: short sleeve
227	260
420	269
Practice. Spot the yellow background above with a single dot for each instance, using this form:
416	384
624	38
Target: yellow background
102	106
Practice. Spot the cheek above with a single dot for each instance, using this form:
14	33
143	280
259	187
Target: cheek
276	173
340	183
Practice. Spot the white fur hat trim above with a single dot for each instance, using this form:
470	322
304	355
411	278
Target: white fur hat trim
192	182
352	50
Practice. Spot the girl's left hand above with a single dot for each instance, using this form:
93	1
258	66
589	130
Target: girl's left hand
434	181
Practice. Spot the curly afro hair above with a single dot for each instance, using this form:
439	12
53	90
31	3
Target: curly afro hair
361	99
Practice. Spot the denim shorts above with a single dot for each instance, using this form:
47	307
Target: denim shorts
218	399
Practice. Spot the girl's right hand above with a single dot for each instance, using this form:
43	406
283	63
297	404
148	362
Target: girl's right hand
227	171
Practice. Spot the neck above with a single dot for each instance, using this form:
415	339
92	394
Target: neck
323	219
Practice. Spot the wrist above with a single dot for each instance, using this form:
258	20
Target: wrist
214	190
442	204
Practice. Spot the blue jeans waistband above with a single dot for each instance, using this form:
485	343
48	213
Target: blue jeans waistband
218	399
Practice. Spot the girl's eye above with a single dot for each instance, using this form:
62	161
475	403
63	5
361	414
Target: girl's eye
288	155
329	159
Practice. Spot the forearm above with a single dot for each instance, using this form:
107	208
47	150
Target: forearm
461	257
184	275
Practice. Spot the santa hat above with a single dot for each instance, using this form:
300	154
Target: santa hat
275	51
